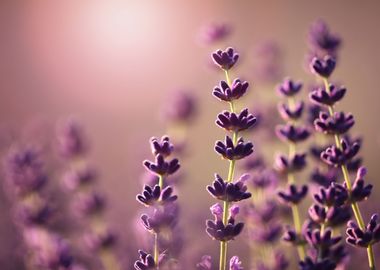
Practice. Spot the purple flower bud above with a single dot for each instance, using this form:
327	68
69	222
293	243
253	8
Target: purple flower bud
334	195
363	238
268	233
289	88
146	261
162	219
228	93
91	203
99	241
217	211
328	98
235	122
225	59
324	178
286	165
162	167
339	123
78	178
360	191
205	263
264	212
163	147
321	38
24	170
323	241
323	67
152	196
288	113
292	237
265	179
215	32
230	192
234	152
235	263
293	195
71	141
234	211
38	213
292	133
181	107
337	157
218	231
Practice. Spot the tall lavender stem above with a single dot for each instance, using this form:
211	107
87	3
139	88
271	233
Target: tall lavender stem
224	228
292	133
337	124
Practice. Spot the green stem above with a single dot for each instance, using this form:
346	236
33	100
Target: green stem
156	248
231	171
161	181
295	211
346	176
156	252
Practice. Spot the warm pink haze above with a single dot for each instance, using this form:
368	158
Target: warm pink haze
114	65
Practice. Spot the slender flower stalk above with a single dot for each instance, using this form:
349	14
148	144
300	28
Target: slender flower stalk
224	228
337	124
292	133
89	203
161	201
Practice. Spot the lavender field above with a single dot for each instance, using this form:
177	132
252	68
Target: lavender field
180	135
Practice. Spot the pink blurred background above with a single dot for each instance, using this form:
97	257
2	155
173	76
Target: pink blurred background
112	64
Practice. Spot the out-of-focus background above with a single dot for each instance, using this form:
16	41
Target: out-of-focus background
114	64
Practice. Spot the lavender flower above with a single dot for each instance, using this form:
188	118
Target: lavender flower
363	237
151	196
235	263
321	96
161	219
24	170
228	93
322	39
163	147
288	113
215	32
205	263
323	67
335	156
162	167
292	133
289	88
294	194
230	192
220	231
146	261
293	164
71	140
236	122
181	107
360	191
334	195
225	59
234	152
338	123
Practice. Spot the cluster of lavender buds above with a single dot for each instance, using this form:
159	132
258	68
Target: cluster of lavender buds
224	227
215	32
292	133
341	155
88	202
162	218
263	216
26	181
